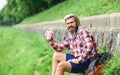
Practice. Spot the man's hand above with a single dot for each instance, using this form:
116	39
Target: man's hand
74	61
48	34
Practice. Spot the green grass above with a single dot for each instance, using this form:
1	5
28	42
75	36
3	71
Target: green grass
81	8
24	53
113	66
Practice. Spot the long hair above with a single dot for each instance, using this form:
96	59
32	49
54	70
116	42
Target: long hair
72	16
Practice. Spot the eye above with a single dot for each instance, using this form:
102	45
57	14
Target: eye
67	23
71	22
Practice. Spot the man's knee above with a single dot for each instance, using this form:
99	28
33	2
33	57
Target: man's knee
61	66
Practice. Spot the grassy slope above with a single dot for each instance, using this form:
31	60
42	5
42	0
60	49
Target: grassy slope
79	7
22	53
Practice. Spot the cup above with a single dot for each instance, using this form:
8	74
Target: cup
48	34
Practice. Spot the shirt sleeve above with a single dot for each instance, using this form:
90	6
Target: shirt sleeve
87	41
59	47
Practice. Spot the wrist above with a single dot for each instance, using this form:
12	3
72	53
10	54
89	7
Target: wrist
50	39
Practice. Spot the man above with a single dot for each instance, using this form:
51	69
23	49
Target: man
80	42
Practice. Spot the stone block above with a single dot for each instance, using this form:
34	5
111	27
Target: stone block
85	22
99	22
113	21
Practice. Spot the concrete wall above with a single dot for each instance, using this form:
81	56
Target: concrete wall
103	22
106	29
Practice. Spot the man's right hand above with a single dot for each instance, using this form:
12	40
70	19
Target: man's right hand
49	35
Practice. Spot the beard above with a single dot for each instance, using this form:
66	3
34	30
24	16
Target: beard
72	29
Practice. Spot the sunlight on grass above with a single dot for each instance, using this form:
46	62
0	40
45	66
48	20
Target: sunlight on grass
79	7
20	52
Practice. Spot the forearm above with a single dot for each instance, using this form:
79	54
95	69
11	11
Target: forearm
54	44
58	47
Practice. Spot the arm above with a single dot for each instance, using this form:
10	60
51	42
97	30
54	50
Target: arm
87	44
58	47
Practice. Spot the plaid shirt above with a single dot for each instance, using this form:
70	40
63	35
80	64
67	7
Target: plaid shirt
83	45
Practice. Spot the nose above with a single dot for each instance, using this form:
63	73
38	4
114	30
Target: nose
68	24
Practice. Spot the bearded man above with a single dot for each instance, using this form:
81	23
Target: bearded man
80	42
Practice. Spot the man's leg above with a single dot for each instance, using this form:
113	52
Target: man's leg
62	67
59	64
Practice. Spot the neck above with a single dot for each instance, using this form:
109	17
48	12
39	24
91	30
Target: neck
76	29
73	33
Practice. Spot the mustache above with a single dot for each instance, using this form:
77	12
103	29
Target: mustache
71	27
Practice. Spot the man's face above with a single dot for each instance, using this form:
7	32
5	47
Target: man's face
71	25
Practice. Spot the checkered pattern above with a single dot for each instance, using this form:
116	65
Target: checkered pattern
83	45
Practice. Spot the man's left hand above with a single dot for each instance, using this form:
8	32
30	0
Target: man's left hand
76	61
